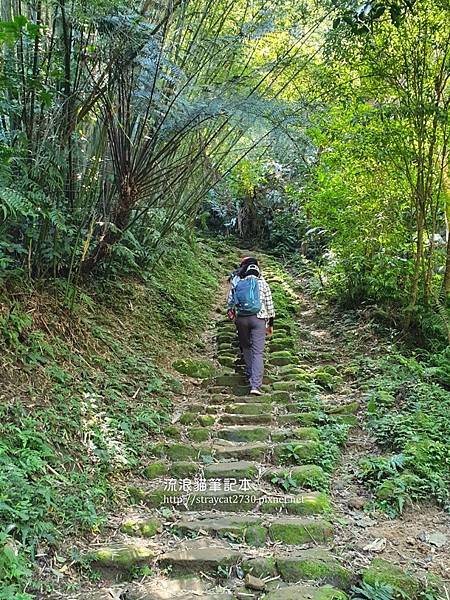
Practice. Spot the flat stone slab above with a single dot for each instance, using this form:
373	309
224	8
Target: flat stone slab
304	592
244	433
120	556
255	451
196	556
236	525
232	469
298	531
188	588
237	419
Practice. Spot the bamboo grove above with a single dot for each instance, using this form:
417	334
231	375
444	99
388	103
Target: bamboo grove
122	123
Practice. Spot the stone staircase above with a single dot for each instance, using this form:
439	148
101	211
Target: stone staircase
236	505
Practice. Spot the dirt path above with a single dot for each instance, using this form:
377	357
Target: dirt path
242	503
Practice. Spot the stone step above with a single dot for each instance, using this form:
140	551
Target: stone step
306	503
225	399
293	566
248	408
236	419
163	588
304	592
235	525
298	531
232	470
256	451
199	556
243	433
225	501
304	476
117	559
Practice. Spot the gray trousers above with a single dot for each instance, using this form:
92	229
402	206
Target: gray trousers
252	336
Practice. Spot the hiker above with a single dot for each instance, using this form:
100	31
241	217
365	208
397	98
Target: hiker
251	303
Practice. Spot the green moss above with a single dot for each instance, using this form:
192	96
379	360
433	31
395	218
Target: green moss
306	433
305	419
326	380
155	469
120	556
242	433
310	477
382	571
314	565
144	528
178	451
343	409
256	535
172	431
296	452
187	418
260	567
183	469
305	504
247	408
198	434
206	420
300	531
199	369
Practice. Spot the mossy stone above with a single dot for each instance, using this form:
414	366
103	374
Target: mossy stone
145	528
281	396
198	434
156	469
260	567
237	470
350	408
120	556
179	451
172	431
306	433
305	504
230	380
256	535
206	420
296	452
383	571
226	361
327	381
314	565
243	433
351	420
304	592
281	358
247	408
311	477
198	369
183	469
300	531
305	419
187	418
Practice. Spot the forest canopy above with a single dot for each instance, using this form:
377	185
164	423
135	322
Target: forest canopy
316	129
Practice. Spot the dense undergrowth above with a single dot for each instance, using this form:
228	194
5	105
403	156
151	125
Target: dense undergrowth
84	392
408	415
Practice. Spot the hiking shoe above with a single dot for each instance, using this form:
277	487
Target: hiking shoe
256	392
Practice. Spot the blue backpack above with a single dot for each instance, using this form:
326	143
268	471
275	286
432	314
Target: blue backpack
246	297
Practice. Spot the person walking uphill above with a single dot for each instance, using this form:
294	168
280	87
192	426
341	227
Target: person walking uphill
251	299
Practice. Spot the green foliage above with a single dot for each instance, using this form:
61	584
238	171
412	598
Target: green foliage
409	414
95	400
376	591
